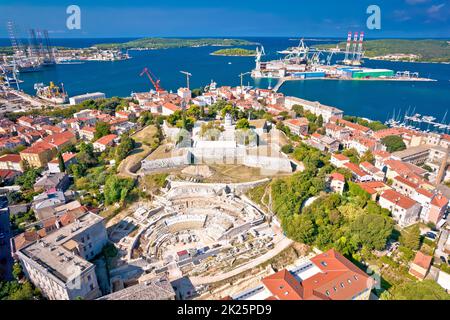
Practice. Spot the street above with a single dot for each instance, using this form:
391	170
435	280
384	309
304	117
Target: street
6	260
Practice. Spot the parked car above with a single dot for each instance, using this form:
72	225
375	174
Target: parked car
431	235
443	259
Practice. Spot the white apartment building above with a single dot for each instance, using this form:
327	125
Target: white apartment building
57	264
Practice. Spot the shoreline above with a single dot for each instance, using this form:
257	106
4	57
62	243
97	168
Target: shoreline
391	60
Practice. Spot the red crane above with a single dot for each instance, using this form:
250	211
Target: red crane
154	81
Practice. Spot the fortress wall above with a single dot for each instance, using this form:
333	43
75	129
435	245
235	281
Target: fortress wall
166	163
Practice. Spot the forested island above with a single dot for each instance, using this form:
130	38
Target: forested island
403	50
234	52
169	43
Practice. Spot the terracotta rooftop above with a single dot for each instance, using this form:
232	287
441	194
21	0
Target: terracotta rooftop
422	260
355	169
106	139
10	158
399	199
340	157
298	122
283	286
439	201
338	176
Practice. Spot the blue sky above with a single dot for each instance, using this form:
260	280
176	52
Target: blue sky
333	18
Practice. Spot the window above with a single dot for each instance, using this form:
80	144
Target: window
327	293
342	284
356	278
323	263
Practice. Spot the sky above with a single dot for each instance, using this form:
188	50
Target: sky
185	18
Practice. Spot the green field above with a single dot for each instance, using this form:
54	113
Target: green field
168	43
427	50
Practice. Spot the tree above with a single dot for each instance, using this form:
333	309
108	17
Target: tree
393	143
86	156
411	238
368	157
242	124
28	178
411	290
298	109
17	271
61	164
319	121
372	230
114	189
352	154
101	129
287	148
194	111
300	229
124	148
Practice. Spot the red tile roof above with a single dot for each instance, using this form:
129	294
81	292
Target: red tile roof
340	157
399	199
406	182
298	122
58	139
66	157
171	106
284	286
338	176
339	279
106	140
10	158
355	169
422	260
439	201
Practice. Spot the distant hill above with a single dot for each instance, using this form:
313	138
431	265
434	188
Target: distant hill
235	52
168	43
425	50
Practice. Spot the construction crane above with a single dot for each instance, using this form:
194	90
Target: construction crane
242	79
152	79
188	75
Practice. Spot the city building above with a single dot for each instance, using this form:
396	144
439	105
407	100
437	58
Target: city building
314	107
405	211
339	160
415	155
158	288
337	182
69	158
88	96
298	126
327	276
11	162
420	265
57	263
104	142
52	181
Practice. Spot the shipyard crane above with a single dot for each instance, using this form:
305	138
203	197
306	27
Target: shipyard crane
242	79
188	75
154	81
329	58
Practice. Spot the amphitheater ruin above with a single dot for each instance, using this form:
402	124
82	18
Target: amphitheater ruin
200	229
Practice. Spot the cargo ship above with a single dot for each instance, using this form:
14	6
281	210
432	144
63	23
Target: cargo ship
51	93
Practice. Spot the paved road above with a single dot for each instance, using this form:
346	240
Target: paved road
6	260
279	247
